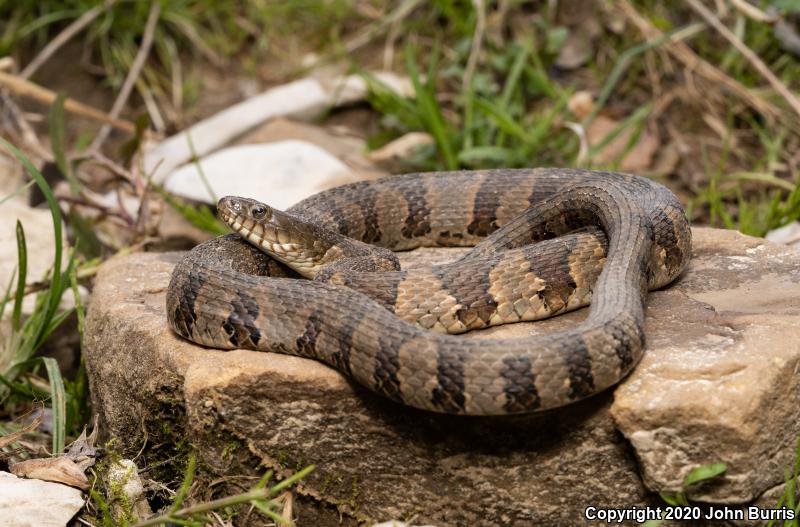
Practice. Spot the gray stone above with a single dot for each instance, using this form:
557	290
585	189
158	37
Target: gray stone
721	381
35	503
377	460
125	492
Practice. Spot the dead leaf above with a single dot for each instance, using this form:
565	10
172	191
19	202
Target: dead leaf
638	158
82	451
579	45
59	469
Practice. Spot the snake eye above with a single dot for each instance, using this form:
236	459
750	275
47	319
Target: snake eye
258	212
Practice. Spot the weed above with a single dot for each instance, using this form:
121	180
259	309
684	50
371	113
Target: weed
260	497
25	337
790	492
696	475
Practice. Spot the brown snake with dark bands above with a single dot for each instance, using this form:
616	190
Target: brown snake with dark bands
220	295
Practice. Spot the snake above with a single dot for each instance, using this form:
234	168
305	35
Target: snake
321	280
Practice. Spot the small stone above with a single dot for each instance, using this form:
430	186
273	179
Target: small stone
401	148
36	503
125	492
40	241
303	98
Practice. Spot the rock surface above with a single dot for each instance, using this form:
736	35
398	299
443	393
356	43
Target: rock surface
340	142
35	503
719	383
723	385
279	174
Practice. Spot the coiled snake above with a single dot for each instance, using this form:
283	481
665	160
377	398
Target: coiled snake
228	294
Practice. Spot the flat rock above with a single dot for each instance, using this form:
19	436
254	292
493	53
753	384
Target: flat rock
279	174
718	383
36	503
721	383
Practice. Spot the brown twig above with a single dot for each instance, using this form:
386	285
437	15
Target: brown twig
366	36
477	43
112	166
104	210
62	38
748	53
694	63
26	88
133	73
751	11
26	130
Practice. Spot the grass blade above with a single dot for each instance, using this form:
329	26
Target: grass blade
431	113
59	404
476	154
188	477
291	480
703	473
265	509
502	119
55	123
515	73
55	280
22	266
17	192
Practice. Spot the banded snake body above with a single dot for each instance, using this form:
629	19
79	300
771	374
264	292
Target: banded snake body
545	241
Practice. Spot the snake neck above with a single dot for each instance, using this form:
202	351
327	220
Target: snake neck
301	245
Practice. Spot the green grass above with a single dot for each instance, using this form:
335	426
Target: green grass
26	336
205	30
695	476
259	497
514	114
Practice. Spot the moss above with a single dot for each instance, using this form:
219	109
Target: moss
116	501
355	491
230	449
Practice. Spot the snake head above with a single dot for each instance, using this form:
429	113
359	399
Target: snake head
277	233
235	209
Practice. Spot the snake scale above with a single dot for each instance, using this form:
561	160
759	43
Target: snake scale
544	241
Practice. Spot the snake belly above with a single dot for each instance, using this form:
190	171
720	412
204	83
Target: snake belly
224	293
